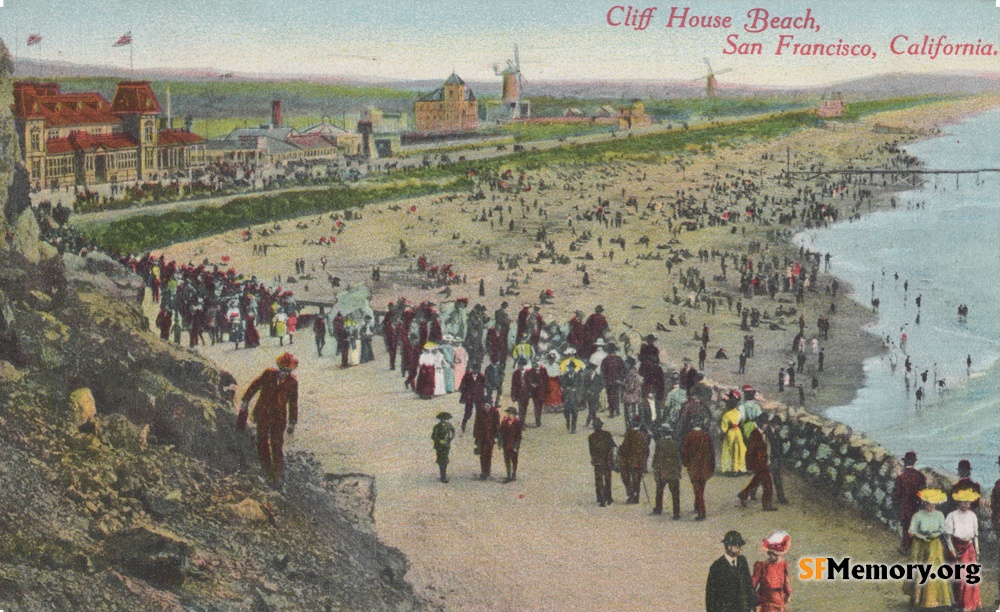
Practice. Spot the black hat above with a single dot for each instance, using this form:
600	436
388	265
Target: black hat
964	466
733	538
763	418
444	416
599	308
598	423
909	458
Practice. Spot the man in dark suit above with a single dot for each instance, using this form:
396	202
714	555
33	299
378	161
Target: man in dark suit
776	448
730	587
698	456
904	496
602	447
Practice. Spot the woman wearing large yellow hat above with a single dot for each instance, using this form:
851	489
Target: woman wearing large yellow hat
962	537
927	527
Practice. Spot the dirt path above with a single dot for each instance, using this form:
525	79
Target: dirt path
542	543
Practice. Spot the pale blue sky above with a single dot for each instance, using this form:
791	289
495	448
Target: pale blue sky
559	39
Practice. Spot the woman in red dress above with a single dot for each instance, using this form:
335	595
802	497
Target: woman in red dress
553	389
770	578
252	335
961	529
425	372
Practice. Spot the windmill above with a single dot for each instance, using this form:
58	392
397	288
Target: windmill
710	78
513	85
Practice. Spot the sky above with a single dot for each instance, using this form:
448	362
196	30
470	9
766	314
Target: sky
559	40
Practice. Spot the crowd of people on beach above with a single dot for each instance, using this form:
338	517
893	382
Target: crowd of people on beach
673	419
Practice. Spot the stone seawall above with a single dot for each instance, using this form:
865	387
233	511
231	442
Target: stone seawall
852	467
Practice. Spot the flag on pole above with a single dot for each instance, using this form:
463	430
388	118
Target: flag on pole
34	39
126	39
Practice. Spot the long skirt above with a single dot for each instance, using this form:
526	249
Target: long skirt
439	381
458	369
425	381
966	595
252	336
366	350
553	395
734	452
933	593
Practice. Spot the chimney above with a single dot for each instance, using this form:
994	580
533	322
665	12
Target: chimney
276	114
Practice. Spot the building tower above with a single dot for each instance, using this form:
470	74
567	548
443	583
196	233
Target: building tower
137	107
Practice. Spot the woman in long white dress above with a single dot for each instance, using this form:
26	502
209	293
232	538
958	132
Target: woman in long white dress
448	350
354	354
438	371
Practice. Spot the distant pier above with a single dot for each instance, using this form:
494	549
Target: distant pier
907	176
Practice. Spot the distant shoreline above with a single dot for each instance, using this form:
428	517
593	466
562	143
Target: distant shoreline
882	202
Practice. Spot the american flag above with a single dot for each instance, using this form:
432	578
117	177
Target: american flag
126	39
34	39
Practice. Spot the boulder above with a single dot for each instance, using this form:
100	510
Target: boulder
247	512
153	554
8	373
81	403
122	433
26	236
354	492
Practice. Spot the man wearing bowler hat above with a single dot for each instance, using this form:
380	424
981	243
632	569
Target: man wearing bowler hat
965	481
730	587
904	495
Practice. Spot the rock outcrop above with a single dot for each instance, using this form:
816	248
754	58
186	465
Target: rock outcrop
125	484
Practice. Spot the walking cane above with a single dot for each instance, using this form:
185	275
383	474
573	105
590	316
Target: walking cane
644	489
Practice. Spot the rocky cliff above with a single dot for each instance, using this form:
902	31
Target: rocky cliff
126	485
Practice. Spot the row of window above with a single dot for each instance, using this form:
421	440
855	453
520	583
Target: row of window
59	166
64	165
35	138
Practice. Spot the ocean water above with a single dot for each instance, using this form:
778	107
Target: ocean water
948	250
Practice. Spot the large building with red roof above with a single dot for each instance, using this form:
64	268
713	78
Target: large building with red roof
82	139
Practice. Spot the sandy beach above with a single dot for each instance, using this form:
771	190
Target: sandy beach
542	543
